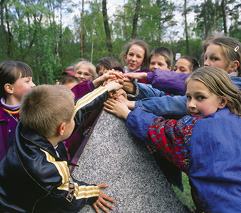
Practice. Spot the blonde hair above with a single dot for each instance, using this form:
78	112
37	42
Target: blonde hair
91	67
230	46
46	107
219	83
140	43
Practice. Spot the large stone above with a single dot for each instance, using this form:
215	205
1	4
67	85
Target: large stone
135	181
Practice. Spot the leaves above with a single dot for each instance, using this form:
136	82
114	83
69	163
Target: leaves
34	30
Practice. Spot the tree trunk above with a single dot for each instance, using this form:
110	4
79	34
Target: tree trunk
135	19
107	27
2	28
82	31
205	20
158	3
9	36
186	26
223	8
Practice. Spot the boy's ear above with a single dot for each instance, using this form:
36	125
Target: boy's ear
223	102
9	88
61	129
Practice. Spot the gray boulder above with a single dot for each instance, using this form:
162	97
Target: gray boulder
135	181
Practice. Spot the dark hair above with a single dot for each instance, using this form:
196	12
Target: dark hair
193	61
11	71
140	43
165	52
68	79
109	63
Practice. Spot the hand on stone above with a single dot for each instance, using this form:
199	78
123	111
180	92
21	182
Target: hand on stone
129	104
129	86
104	202
108	76
113	85
116	107
136	75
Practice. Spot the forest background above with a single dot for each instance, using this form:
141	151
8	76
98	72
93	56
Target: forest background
35	31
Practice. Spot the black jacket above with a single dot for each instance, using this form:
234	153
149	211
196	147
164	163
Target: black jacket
34	179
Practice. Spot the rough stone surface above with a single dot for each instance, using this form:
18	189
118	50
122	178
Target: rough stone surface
112	156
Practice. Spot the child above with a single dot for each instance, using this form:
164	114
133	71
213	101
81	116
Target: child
223	52
108	63
204	144
68	79
15	81
89	115
135	55
186	64
161	58
85	70
45	183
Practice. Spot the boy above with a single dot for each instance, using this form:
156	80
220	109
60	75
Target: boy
33	176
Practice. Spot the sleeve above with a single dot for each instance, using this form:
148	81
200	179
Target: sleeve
168	81
138	122
82	89
146	90
92	101
66	193
164	106
171	138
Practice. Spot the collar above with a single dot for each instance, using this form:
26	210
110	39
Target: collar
32	137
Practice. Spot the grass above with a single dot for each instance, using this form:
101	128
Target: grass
185	195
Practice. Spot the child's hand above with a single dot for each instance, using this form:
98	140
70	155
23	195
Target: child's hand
129	86
117	108
104	202
110	75
113	85
136	75
129	104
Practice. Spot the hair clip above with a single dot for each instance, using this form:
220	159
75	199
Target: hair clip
236	49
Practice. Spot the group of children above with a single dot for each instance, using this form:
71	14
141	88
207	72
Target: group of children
187	115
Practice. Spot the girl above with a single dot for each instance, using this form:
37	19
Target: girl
224	53
204	144
186	64
135	55
85	70
15	82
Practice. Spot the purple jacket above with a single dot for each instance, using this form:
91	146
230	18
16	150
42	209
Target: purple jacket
7	129
82	89
168	81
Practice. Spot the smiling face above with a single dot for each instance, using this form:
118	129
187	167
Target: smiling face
200	100
134	58
83	73
158	62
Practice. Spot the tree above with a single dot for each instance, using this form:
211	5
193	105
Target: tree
186	26
107	27
82	30
135	19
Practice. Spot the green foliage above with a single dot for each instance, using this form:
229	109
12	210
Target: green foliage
32	31
185	196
